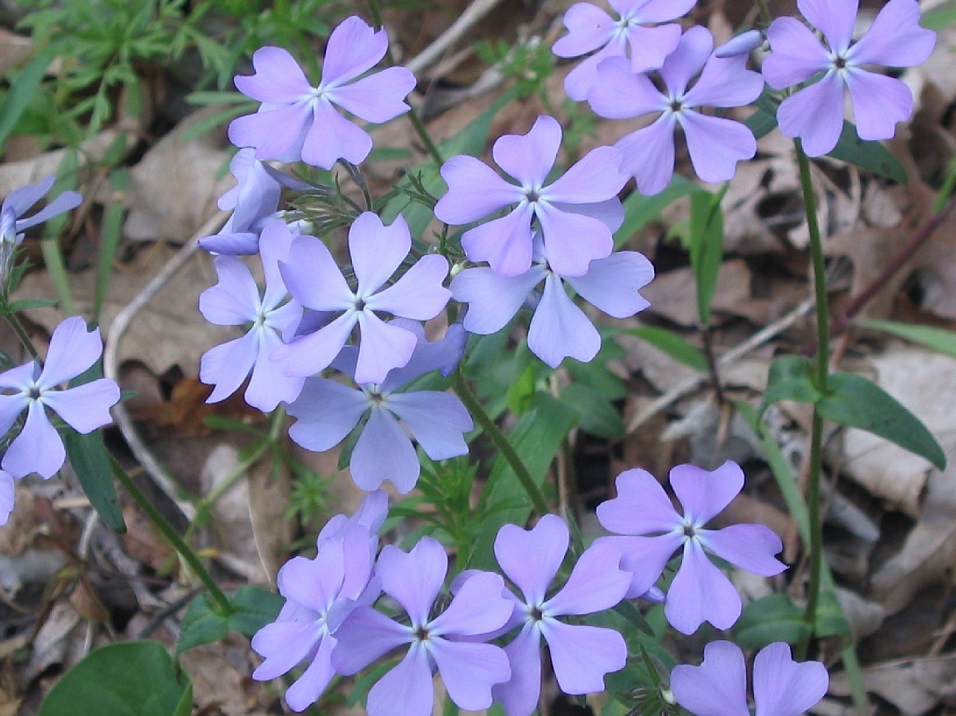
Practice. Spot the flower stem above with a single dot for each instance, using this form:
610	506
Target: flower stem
501	442
18	328
222	605
821	378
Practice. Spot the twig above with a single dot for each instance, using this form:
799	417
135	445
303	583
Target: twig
470	17
731	356
118	329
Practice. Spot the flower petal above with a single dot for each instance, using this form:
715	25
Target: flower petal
283	645
702	493
782	687
406	689
589	28
278	79
530	157
72	350
700	592
613	284
414	578
377	250
519	695
474	191
85	407
365	636
383	347
10	408
644	559
581	655
378	97
593	178
751	547
492	300
716	144
559	329
235	299
620	93
640	508
895	39
313	277
718	687
547	541
687	60
572	240
478	607
879	102
469	671
650	46
725	82
7	496
418	294
331	137
796	54
307	355
649	154
596	583
437	421
834	19
38	448
384	452
307	689
353	48
504	243
815	114
272	132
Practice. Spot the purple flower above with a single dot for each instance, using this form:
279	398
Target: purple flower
718	687
17	203
580	654
8	492
559	329
319	594
815	113
297	121
38	447
314	279
328	411
235	301
468	669
590	28
577	212
700	592
715	144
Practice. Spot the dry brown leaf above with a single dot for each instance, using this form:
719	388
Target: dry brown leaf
216	683
914	686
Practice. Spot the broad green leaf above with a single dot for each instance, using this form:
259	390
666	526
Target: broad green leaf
90	460
770	619
598	416
706	246
872	156
253	608
537	438
860	403
640	210
938	339
22	90
790	378
129	678
672	344
764	120
940	17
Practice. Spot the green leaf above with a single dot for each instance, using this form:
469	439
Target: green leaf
940	17
790	378
764	120
109	239
860	403
640	210
90	461
872	156
770	619
22	90
938	339
598	416
25	304
706	246
130	678
253	608
672	344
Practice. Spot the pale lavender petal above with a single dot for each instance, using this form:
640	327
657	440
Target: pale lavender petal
275	243
308	355
650	46
815	114
414	578
269	385
227	365
782	687
529	157
10	408
834	19
895	38
313	583
477	608
725	82
235	299
519	695
649	155
442	355
283	645
331	137
278	79
72	350
685	62
751	547
64	202
313	278
230	243
383	347
547	541
718	687
613	284
622	94
559	329
474	191
7	496
716	144
406	689
327	411
655	10
436	420
378	97
640	508
492	300
19	378
589	28
572	240
584	79
307	689
469	671
418	294
353	48
581	655
22	198
365	636
796	54
271	132
743	44
700	592
702	493
596	583
85	407
504	243
879	102
38	448
384	452
593	178
644	558
610	212
377	250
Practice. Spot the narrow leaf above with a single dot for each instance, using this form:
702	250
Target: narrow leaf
872	156
938	339
790	378
22	90
90	460
673	345
706	246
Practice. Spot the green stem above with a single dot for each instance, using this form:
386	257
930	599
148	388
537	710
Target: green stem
18	328
821	378
501	442
222	605
764	11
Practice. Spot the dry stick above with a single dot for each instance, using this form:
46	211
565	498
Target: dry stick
731	356
470	17
118	328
